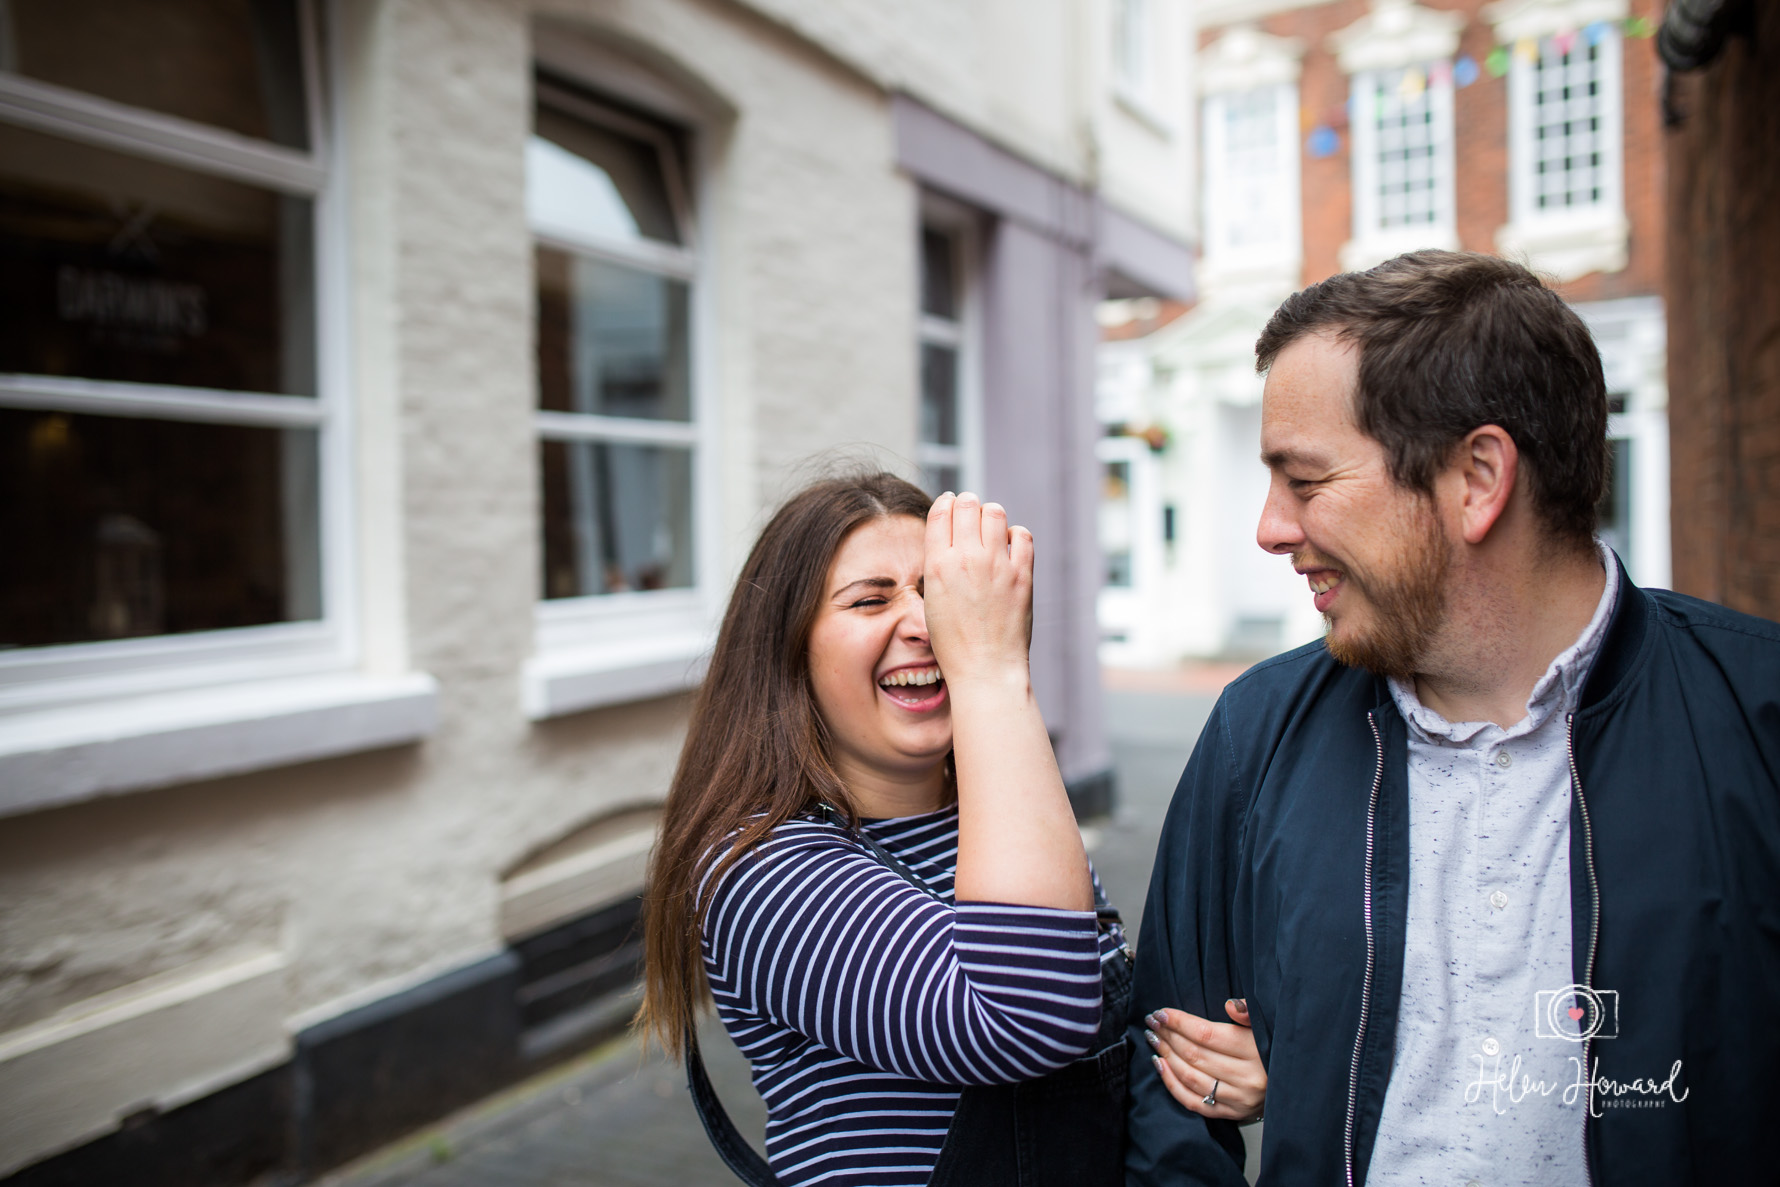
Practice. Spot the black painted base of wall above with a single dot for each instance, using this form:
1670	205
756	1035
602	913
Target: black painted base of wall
1093	795
367	1077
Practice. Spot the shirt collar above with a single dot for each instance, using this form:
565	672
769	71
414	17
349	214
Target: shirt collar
1558	690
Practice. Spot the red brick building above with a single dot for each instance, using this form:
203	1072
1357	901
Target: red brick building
1338	134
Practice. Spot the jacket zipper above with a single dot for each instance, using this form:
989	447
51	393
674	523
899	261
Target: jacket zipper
1594	929
1353	1074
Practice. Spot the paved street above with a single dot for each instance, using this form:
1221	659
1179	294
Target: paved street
615	1118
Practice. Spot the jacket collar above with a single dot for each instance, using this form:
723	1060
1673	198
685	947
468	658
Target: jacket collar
1624	640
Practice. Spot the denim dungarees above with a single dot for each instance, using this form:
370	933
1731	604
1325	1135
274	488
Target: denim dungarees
1064	1129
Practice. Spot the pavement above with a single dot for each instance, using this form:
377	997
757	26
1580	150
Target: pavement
619	1116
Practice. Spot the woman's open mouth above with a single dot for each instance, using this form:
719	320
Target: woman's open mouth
918	689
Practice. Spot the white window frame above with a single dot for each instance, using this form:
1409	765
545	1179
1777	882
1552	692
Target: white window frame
964	335
97	718
606	649
1225	264
1133	36
1579	240
1372	242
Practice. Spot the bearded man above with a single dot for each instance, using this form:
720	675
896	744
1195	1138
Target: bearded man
1495	865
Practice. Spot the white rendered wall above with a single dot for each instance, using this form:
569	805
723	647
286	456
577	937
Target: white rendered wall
370	872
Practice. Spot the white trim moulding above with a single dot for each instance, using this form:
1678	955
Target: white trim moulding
158	402
574	426
59	111
63	756
562	682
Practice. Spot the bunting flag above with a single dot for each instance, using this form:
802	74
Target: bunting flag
1413	84
1464	71
1526	49
1323	142
1596	32
1496	62
1440	74
1565	42
1640	26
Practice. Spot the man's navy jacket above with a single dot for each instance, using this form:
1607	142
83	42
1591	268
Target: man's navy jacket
1282	877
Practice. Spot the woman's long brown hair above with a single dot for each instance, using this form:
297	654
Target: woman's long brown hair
756	750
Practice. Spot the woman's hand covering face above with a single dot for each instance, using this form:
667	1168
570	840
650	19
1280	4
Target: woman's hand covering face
978	591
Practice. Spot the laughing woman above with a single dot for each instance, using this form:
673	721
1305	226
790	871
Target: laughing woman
868	856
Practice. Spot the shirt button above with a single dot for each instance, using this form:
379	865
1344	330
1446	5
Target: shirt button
1491	1047
1498	900
1504	759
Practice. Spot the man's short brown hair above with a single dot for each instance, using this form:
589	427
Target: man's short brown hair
1451	341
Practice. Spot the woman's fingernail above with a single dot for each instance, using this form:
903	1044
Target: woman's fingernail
1157	1060
1241	1003
1151	1036
1155	1019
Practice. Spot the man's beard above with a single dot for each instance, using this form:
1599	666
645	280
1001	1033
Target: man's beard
1408	605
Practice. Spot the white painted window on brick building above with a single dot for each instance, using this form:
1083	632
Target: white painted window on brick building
1565	136
1402	130
1399	58
1251	202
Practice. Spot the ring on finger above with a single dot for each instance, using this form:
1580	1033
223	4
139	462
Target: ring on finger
1211	1098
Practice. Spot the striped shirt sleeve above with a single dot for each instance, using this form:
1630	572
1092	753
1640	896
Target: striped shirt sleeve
817	935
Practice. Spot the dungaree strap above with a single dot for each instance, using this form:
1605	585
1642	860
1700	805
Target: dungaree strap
735	1151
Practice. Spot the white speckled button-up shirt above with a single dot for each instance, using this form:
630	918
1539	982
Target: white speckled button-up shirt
1477	1092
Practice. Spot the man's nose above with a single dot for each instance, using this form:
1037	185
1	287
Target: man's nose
1279	531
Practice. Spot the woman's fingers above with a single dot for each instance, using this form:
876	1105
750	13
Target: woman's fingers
1228	1068
1219	1038
994	529
967	521
1237	1008
1019	549
1200	1054
939	523
1190	1087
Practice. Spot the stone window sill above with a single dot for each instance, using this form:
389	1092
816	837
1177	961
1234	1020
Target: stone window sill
559	682
72	753
1569	247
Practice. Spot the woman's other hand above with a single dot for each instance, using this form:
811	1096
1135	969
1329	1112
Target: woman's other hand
1191	1054
978	591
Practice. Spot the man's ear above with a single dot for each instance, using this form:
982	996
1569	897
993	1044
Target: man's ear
1487	463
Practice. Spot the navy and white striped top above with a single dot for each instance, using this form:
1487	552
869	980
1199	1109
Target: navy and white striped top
863	1004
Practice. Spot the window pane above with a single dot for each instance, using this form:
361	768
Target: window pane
616	518
939	394
1568	116
1403	114
586	178
116	527
939	280
611	340
1615	510
234	64
1259	207
115	267
936	480
1115	522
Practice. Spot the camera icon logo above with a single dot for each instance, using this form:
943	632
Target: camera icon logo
1576	1013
